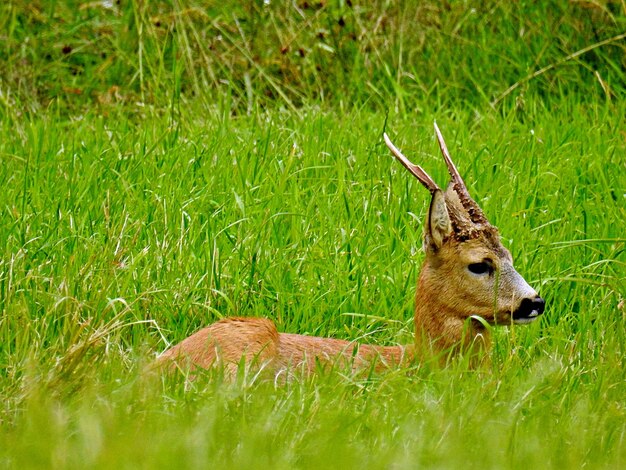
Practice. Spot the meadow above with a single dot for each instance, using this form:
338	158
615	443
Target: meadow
168	164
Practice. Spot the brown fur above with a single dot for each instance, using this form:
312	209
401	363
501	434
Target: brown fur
449	297
229	340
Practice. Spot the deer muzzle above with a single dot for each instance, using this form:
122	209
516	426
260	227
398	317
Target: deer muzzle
529	310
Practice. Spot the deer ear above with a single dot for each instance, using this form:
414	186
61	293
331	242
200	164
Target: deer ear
438	226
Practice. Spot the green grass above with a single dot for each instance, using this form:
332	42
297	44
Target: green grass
132	216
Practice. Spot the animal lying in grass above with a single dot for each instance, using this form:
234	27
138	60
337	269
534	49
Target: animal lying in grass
467	280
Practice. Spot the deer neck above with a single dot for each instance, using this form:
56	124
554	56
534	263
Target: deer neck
438	327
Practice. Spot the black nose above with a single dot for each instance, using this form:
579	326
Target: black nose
529	309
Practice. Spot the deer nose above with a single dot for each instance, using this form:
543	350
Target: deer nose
529	310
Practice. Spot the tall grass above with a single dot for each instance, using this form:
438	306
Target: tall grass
173	184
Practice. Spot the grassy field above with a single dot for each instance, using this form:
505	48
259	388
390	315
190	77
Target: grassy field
165	165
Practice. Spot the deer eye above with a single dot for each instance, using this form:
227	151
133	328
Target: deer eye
483	267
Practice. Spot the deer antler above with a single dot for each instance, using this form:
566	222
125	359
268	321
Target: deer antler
416	170
473	210
454	173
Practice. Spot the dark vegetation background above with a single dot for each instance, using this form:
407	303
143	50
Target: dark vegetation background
243	55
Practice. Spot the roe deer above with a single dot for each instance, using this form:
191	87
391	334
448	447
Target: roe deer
467	275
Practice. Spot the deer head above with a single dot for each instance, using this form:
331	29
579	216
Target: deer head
467	272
